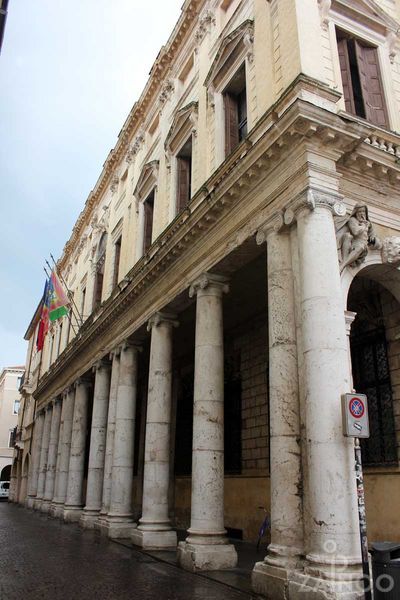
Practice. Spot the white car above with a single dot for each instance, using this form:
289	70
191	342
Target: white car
4	489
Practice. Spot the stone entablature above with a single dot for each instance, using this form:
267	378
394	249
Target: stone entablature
252	162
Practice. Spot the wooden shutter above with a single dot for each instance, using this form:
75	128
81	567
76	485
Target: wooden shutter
231	123
346	76
184	167
117	257
98	288
371	84
148	206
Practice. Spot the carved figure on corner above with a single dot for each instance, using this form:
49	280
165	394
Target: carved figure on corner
355	235
391	250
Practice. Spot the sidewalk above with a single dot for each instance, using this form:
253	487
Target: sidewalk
44	559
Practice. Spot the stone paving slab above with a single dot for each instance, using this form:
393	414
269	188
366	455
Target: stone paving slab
44	559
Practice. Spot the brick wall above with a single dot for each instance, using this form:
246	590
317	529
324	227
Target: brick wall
255	446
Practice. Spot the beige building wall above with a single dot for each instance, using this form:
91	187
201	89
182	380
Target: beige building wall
10	398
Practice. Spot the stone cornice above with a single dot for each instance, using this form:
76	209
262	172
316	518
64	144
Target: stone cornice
158	73
301	124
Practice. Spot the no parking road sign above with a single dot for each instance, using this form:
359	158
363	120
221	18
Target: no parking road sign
355	415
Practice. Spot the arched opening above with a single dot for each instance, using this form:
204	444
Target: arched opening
375	357
5	474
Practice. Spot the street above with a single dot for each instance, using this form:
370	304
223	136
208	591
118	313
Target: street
42	558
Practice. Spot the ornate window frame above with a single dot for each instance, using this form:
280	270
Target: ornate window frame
235	50
146	184
368	22
184	126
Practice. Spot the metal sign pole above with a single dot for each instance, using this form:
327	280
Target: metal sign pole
362	520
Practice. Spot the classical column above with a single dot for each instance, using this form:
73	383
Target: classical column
154	530
108	461
333	557
65	447
119	522
37	439
207	546
98	436
52	456
74	498
270	577
53	505
44	450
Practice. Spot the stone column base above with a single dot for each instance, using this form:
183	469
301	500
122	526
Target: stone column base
88	518
37	503
72	514
30	501
118	529
155	540
270	581
314	588
45	506
57	510
206	557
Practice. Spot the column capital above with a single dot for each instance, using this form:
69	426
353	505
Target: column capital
66	391
275	224
129	344
219	283
40	412
312	198
49	406
162	318
58	400
102	363
83	380
115	353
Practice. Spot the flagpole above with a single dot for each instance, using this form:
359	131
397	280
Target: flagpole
68	315
69	293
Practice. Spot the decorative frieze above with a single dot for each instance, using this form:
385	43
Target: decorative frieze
135	147
205	22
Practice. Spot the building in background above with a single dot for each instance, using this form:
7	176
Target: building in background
3	19
233	272
10	401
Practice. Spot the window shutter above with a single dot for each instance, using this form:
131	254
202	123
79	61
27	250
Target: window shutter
346	76
148	223
117	257
371	85
231	123
98	288
183	182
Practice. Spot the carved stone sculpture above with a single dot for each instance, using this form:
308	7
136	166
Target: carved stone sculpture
355	235
391	250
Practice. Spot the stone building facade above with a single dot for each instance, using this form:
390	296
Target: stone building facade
10	400
233	272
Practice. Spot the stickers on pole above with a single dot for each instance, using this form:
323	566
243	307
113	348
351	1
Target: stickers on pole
355	415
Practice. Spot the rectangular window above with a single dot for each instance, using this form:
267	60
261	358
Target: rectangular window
184	175
83	299
11	437
148	206
60	331
117	257
16	406
235	105
361	79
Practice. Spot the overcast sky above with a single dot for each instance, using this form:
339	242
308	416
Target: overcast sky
69	75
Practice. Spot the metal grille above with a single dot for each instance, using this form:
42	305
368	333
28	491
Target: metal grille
371	376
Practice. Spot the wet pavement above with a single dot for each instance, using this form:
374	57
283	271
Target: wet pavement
43	558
